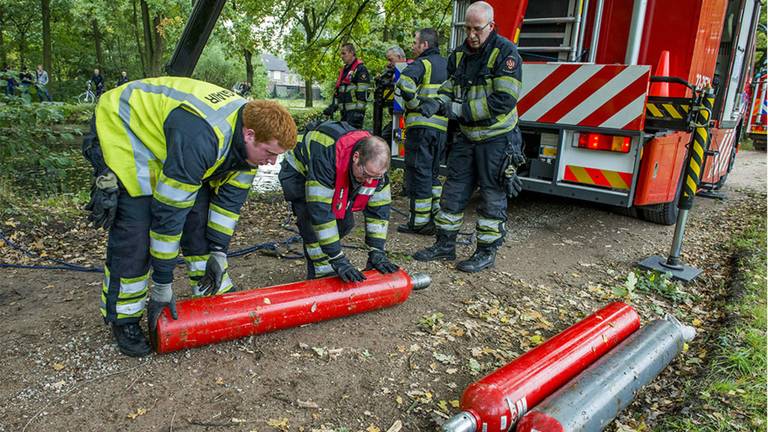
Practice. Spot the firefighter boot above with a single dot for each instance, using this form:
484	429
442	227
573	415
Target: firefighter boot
483	258
131	340
443	249
426	229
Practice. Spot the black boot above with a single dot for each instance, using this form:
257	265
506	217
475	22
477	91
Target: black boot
426	229
483	258
131	340
443	249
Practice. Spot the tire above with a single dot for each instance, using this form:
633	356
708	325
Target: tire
662	214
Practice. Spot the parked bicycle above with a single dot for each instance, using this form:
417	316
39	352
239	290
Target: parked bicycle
88	96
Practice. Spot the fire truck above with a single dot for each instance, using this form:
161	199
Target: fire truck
758	117
608	104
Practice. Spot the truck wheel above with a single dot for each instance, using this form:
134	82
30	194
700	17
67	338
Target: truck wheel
662	214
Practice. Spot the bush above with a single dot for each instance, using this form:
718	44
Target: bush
302	116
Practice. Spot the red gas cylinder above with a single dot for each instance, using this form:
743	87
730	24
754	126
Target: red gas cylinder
207	320
499	400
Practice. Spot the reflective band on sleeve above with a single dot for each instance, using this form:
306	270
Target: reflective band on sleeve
366	190
222	220
244	180
164	246
380	198
319	137
507	84
295	163
407	85
479	108
317	192
175	193
504	124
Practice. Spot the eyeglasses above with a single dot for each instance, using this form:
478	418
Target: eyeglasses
369	176
468	29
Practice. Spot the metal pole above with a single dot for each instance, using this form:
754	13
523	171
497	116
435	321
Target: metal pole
636	31
596	31
581	24
194	37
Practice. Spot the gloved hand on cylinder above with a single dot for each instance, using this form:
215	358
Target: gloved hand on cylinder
215	270
160	297
428	106
345	270
377	259
452	110
103	204
330	109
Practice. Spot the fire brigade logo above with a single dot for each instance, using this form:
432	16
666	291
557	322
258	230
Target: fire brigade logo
510	63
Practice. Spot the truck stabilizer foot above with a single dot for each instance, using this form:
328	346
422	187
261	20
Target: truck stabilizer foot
682	273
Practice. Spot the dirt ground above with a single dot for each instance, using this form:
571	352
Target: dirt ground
402	368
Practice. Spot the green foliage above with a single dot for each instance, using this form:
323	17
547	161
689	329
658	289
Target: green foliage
651	282
302	116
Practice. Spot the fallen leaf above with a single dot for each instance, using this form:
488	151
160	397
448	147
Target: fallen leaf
139	412
57	366
536	339
307	404
372	428
396	426
281	424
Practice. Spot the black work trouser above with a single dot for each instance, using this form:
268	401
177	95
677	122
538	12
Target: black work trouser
355	118
126	270
481	165
424	149
317	261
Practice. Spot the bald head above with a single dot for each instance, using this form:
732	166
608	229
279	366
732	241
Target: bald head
478	24
370	159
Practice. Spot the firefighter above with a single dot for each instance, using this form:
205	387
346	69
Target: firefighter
334	171
351	93
173	156
425	136
481	92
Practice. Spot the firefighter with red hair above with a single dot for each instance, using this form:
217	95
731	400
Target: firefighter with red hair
174	159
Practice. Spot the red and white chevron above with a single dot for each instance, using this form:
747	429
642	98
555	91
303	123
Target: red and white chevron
717	166
588	95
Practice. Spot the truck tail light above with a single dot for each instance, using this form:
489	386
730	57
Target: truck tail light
595	141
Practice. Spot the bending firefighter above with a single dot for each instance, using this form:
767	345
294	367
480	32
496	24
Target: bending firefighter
334	171
484	81
174	159
425	136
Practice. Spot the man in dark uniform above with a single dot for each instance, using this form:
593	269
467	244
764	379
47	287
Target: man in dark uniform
351	89
481	93
424	136
336	170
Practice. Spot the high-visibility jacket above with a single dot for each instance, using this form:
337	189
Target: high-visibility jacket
487	84
165	137
423	78
312	172
352	87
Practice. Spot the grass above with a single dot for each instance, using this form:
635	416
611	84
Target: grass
731	396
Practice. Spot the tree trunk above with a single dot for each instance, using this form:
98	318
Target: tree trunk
3	55
159	47
308	94
45	5
148	45
248	66
97	41
139	47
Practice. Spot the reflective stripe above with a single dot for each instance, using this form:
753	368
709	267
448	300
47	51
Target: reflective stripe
366	190
174	193
163	246
492	58
488	224
130	308
142	155
420	219
413	119
376	228
316	192
382	197
479	108
488	238
449	221
412	104
244	180
504	123
319	137
314	251
407	84
222	220
327	233
295	163
196	264
489	230
437	191
322	269
354	106
423	204
129	287
226	284
507	84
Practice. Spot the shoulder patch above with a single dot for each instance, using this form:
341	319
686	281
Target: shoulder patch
363	75
510	63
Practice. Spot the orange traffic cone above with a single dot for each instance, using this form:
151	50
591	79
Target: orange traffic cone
661	89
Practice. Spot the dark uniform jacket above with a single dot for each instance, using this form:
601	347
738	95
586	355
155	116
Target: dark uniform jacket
487	84
353	96
309	172
413	82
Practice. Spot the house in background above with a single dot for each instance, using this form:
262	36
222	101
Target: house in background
282	82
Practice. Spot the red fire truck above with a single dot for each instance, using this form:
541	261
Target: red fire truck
607	103
758	117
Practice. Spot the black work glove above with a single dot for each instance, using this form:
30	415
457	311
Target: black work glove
103	204
215	270
513	184
155	308
345	270
378	260
452	110
329	110
428	106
